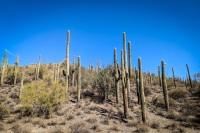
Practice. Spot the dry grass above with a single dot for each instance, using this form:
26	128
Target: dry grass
78	128
141	128
155	124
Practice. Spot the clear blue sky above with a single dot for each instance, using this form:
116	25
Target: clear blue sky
158	29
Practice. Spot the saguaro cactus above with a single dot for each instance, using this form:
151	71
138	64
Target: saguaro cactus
22	85
117	77
137	85
73	71
127	80
141	88
124	87
190	80
150	78
164	84
16	70
129	60
159	77
79	80
3	67
58	71
38	68
67	61
174	77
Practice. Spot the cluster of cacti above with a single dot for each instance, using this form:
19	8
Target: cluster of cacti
164	84
16	70
141	90
124	74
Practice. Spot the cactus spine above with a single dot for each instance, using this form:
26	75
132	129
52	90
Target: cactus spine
141	88
137	85
124	87
67	61
16	69
174	78
117	77
164	84
190	80
79	80
38	68
4	64
159	77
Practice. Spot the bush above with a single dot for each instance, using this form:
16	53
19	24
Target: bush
41	98
3	111
159	102
178	94
104	82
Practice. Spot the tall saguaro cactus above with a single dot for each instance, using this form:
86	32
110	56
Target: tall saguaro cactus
129	60
16	70
124	87
159	77
141	88
137	85
38	68
3	67
174	77
117	76
67	61
127	80
79	80
164	84
190	80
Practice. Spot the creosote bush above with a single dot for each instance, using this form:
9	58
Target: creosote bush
42	98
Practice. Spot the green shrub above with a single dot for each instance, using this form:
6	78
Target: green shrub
104	82
42	98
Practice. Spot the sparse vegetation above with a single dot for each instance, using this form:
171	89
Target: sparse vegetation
113	99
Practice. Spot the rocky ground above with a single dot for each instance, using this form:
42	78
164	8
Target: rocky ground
89	116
